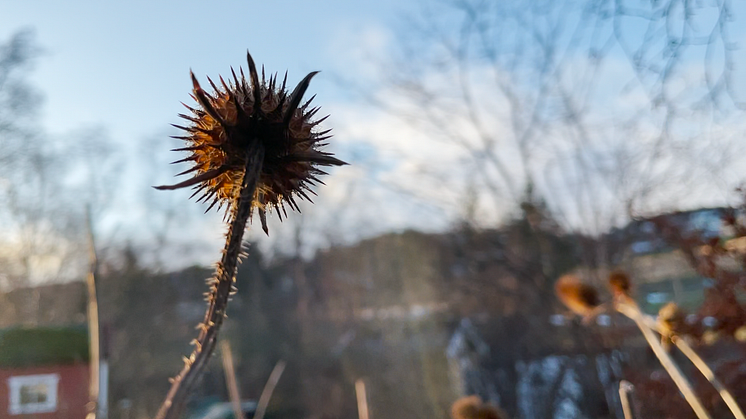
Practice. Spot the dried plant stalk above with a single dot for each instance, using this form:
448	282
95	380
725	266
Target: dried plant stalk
94	328
362	399
230	379
626	396
702	366
698	362
224	277
252	145
634	313
269	388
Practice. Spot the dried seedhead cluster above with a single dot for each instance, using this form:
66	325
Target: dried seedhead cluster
722	259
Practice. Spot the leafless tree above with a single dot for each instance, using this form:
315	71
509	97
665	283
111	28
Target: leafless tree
25	168
45	181
607	107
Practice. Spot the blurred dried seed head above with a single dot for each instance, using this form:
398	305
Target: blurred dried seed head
237	119
579	297
620	283
471	407
672	316
671	320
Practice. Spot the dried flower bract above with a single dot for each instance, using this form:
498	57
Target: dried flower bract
228	125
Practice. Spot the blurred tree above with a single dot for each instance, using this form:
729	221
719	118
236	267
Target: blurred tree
32	242
18	100
607	108
45	182
505	283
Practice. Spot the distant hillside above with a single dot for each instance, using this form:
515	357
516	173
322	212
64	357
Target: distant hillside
46	305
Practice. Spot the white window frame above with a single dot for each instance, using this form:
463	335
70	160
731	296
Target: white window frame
14	385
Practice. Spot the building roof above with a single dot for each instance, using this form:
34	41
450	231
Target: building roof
22	347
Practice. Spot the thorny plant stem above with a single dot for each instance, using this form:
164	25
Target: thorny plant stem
634	313
220	290
230	379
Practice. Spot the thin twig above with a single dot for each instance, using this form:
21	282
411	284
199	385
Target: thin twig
94	345
634	313
219	292
230	379
362	399
269	388
626	392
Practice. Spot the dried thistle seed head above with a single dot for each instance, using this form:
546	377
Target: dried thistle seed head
620	284
472	407
581	298
671	317
237	119
672	321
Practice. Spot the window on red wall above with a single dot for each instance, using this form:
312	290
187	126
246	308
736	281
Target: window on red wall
33	394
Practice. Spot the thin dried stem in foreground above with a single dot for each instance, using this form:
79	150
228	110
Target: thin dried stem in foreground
634	313
230	379
221	290
629	404
93	324
269	388
702	366
698	362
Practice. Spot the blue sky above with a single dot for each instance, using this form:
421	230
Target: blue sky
125	65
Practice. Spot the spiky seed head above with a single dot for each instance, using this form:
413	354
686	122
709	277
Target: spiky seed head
229	123
620	284
472	407
579	297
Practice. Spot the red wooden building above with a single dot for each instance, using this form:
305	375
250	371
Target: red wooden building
43	373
